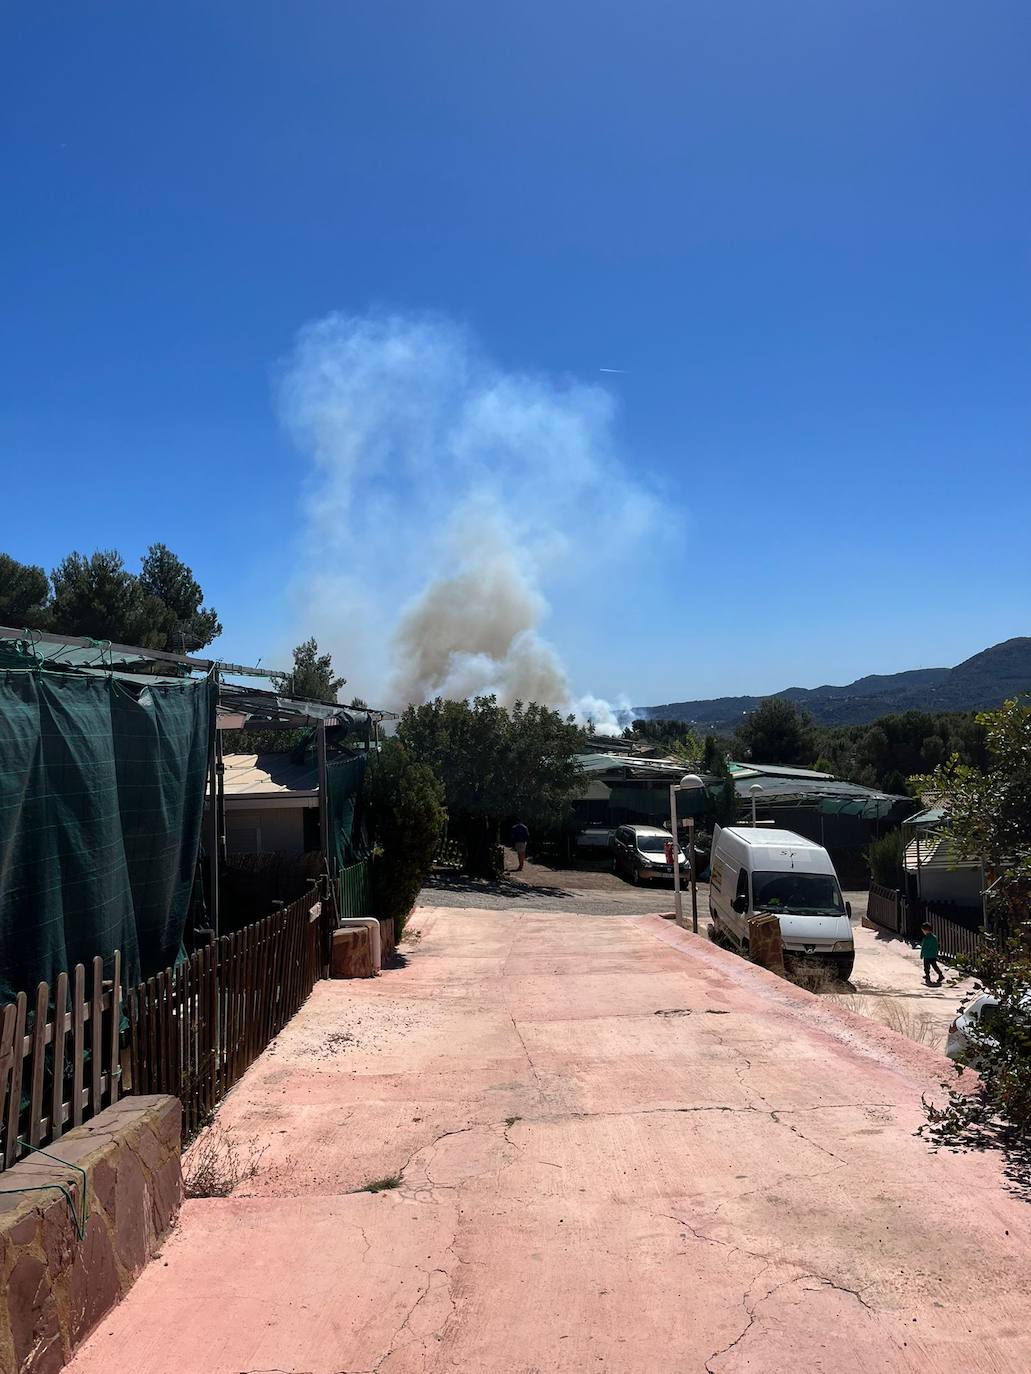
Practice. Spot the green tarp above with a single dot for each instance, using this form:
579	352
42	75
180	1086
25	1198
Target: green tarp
344	778
102	786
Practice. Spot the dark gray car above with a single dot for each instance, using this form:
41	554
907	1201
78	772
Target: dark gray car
639	854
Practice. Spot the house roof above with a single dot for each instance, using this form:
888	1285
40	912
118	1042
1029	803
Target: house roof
268	775
778	770
631	766
927	820
822	794
934	851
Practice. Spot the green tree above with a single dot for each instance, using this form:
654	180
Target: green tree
96	596
988	817
674	736
777	732
405	816
714	763
174	597
24	595
312	675
312	678
495	765
889	750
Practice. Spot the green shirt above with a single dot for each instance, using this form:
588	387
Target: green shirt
929	947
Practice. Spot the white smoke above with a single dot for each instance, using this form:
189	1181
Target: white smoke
445	495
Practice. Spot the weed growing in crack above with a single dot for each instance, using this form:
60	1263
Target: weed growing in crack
215	1166
381	1185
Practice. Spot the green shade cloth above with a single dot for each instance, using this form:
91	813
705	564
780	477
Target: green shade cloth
102	785
344	779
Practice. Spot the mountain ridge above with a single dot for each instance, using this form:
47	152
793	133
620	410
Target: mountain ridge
984	680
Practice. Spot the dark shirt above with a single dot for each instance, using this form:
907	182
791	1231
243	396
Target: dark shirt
520	834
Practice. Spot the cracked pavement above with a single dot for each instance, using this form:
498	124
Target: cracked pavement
594	1174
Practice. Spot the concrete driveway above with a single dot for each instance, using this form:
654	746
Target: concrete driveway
617	1148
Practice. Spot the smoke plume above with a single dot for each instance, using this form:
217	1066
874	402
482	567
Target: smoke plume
445	494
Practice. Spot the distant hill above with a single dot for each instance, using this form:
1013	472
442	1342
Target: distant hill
980	682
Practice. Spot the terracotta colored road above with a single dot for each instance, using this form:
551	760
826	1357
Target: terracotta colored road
620	1149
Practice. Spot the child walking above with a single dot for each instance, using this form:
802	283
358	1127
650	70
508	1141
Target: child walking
929	954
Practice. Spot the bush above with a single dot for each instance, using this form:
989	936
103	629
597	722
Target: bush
406	820
885	858
997	1112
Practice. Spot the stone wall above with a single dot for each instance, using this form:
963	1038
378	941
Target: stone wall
351	954
54	1286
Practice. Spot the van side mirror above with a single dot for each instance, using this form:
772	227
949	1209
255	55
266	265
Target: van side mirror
740	905
848	908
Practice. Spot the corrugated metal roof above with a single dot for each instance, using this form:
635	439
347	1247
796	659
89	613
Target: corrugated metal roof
630	766
771	770
830	797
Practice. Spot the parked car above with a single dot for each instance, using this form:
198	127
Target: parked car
639	854
776	872
595	841
980	1011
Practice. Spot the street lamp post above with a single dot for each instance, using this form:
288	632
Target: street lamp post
755	787
690	782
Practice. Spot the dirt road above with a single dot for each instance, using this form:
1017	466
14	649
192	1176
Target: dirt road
887	984
616	1148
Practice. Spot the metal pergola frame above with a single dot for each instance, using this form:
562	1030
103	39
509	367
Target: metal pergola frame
240	707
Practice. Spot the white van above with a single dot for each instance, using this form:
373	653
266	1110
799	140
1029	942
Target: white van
776	872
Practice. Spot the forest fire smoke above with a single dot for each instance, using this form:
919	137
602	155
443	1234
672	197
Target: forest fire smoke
445	494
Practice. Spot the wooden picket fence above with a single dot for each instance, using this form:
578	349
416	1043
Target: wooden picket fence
62	1091
191	1030
194	1029
886	907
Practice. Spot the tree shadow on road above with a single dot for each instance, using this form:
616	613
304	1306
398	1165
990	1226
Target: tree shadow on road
500	887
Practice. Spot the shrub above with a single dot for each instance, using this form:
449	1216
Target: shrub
987	817
885	858
406	819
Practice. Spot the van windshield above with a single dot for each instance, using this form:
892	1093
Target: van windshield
812	892
652	844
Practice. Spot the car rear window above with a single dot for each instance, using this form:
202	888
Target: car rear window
989	1014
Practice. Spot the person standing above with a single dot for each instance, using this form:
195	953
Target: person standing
520	837
929	954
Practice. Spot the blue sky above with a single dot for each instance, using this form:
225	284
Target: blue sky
800	229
